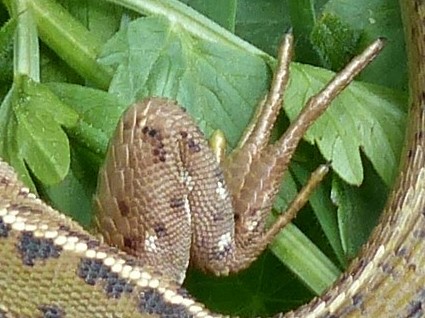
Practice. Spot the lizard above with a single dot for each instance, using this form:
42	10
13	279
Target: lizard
46	254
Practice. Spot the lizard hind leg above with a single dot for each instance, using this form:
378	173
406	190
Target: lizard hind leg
254	171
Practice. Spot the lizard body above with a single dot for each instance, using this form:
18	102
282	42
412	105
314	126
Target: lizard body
388	278
50	266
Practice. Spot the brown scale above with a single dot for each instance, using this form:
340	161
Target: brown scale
163	196
142	160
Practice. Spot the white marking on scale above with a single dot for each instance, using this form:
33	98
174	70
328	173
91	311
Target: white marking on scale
150	245
221	190
224	241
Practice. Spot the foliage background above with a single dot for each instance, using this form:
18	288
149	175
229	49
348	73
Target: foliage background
55	134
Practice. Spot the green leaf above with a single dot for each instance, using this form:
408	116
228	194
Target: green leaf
377	18
73	195
217	84
221	11
100	17
33	119
262	23
91	104
7	32
324	209
335	42
265	288
363	117
358	209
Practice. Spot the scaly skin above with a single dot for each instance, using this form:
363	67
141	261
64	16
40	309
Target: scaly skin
388	278
48	264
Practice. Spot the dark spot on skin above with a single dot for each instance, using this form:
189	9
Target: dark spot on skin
193	146
182	292
357	300
191	143
415	309
362	264
51	311
159	154
419	233
79	235
123	207
176	203
218	174
157	273
156	143
152	132
217	217
160	230
4	228
127	242
64	228
347	311
401	252
387	268
224	253
326	297
93	271
32	248
91	244
131	243
153	303
130	262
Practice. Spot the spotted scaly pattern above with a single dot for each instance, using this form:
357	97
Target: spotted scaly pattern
50	267
49	264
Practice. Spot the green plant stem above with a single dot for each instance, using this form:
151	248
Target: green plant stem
304	259
192	21
71	41
26	57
